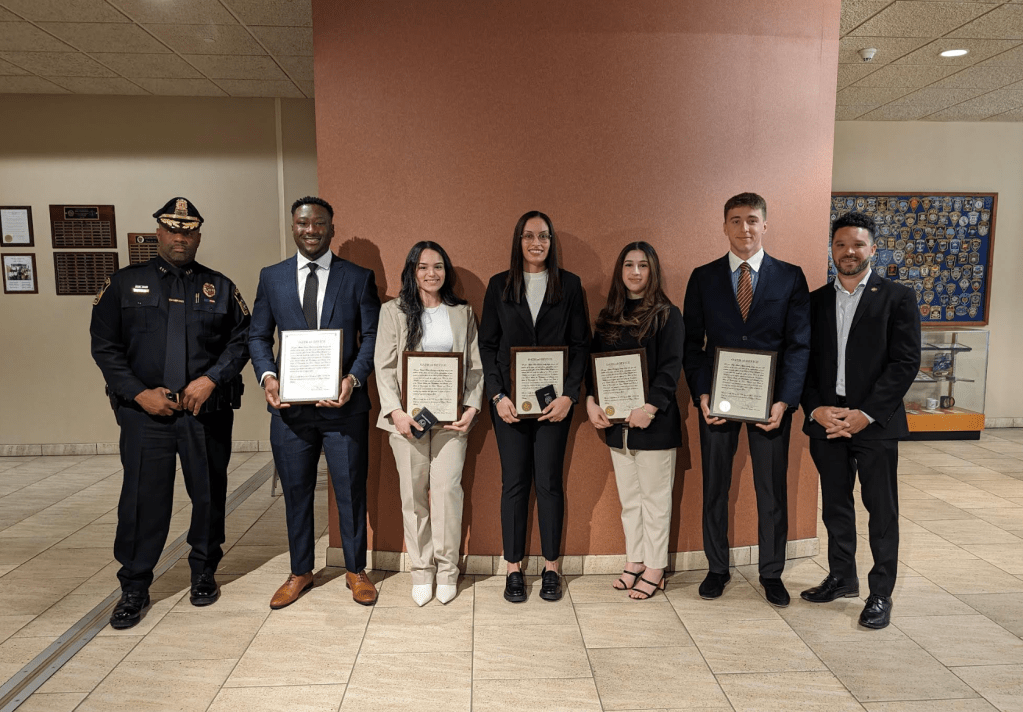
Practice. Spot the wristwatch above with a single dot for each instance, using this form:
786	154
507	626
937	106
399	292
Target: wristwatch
355	381
497	399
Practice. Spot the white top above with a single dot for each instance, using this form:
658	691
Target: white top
437	335
845	310
536	290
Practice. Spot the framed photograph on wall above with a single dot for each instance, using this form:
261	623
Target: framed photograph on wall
20	274
16	226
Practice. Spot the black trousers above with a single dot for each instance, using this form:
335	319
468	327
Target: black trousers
769	452
532	452
149	444
296	440
877	461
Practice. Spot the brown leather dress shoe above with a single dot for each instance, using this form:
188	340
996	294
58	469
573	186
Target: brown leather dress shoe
294	587
363	590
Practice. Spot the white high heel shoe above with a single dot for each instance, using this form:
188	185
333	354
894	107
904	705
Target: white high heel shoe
446	592
422	593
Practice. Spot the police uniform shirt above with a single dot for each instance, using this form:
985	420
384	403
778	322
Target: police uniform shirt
129	326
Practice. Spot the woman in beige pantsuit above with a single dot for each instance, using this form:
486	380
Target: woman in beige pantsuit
428	316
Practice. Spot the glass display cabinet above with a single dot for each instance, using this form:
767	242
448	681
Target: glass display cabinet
946	400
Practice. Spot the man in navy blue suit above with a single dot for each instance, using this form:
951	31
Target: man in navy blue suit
747	300
315	289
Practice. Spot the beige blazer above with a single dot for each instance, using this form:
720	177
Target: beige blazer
391	342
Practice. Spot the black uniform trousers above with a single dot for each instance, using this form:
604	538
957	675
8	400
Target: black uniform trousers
296	440
769	452
532	452
149	444
876	461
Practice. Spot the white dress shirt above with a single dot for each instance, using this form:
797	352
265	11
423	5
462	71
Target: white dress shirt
735	262
845	309
437	334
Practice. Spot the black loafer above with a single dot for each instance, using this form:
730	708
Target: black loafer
877	613
515	588
128	611
714	585
550	586
775	591
832	588
205	590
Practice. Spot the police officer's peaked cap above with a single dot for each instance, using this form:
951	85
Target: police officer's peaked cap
179	214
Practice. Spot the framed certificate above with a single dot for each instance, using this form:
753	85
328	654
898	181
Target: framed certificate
432	380
533	368
16	226
742	387
20	274
310	365
619	382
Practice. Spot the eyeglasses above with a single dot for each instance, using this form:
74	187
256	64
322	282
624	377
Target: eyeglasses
543	237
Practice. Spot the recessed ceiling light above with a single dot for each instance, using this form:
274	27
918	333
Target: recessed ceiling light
953	53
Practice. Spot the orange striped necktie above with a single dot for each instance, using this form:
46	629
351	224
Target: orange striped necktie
744	293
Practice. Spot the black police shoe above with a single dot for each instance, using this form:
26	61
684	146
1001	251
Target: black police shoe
832	588
128	611
550	586
205	590
714	584
877	613
775	591
515	587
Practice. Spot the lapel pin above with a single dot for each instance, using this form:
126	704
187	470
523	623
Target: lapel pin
873	289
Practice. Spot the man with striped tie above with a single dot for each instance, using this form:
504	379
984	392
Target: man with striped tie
747	300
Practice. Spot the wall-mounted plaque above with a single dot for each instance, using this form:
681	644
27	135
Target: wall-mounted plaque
82	272
141	247
16	226
20	274
77	226
940	245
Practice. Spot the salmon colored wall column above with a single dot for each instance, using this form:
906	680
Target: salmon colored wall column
623	121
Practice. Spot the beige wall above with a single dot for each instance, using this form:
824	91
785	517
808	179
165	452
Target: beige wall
926	156
135	153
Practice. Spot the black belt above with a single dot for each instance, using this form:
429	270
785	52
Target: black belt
841	401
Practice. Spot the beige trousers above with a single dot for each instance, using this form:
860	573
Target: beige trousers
645	479
430	480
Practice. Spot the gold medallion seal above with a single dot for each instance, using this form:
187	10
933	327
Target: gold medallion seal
527	406
415	412
610	410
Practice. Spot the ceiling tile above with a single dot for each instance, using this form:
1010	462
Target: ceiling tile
8	69
6	16
905	75
895	112
291	41
256	87
219	66
982	76
1012	58
98	85
307	87
1003	23
197	12
29	85
939	98
868	95
64	10
207	39
920	19
888	48
58	64
848	113
297	13
302	67
105	37
25	37
855	12
181	87
164	66
1014	115
996	102
979	51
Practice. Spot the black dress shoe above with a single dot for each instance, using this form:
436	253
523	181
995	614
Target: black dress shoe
775	591
128	611
515	587
877	613
832	588
205	590
714	585
550	586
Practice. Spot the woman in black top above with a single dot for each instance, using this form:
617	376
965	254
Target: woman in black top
534	303
639	315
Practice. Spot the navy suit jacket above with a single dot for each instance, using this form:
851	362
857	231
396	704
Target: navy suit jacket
882	357
350	303
779	320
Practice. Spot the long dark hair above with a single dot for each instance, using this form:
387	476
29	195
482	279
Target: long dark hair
652	312
410	303
513	286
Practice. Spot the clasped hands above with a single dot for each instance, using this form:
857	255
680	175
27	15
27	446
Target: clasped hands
156	401
840	422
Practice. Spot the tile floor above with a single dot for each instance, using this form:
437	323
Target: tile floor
955	642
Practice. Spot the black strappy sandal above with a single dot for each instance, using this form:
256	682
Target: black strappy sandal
659	586
626	587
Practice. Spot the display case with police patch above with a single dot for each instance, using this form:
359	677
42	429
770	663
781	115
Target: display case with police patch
946	400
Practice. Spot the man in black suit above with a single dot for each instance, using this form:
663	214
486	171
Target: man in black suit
864	355
747	300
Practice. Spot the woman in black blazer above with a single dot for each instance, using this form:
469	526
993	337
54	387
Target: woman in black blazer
639	315
534	303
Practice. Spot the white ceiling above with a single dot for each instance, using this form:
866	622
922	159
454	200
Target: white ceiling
265	48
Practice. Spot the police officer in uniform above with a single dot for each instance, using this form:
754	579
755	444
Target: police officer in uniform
171	338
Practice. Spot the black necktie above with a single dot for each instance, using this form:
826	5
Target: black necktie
312	286
176	358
